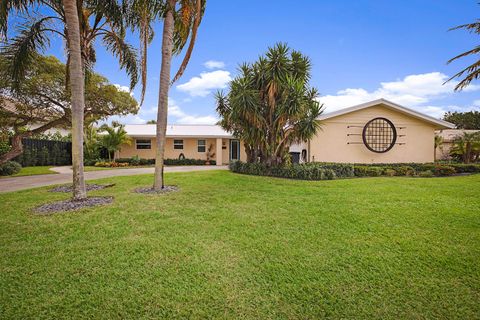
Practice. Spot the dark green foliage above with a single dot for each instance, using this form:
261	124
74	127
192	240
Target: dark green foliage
43	157
4	147
464	120
426	174
135	161
323	171
310	171
444	171
404	171
9	168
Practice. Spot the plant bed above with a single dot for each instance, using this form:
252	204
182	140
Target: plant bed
90	187
150	190
71	205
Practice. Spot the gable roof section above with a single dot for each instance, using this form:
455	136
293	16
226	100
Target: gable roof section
178	131
440	124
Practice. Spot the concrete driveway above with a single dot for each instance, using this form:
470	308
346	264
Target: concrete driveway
65	176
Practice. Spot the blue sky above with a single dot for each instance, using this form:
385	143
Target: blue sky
360	50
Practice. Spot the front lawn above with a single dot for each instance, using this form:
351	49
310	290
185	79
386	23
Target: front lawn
32	171
236	246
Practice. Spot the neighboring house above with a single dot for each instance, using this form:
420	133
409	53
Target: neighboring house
375	132
191	141
448	136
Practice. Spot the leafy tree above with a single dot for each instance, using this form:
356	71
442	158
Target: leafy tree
181	19
152	122
464	120
91	142
467	147
113	139
41	101
271	105
471	72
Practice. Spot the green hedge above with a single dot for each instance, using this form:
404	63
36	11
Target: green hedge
328	171
9	168
307	171
135	161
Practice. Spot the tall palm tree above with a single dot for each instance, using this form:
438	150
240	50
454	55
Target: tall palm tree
180	25
472	71
77	80
115	137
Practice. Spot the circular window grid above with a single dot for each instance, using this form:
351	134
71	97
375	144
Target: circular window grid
379	135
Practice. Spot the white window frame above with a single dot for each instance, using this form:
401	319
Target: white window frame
143	143
178	143
204	145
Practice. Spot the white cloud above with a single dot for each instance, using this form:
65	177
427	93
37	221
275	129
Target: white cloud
182	117
214	64
414	91
476	103
203	85
123	88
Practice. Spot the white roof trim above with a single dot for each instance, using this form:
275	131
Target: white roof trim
440	123
177	131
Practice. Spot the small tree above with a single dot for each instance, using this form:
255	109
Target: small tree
467	147
113	139
270	105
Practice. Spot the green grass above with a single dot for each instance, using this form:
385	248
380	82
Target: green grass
32	171
235	246
93	168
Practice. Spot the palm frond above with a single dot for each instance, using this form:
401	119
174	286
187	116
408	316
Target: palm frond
126	54
7	6
31	39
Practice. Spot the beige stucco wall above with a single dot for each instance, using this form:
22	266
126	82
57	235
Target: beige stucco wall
331	143
190	149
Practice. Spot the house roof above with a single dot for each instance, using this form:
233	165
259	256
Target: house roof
440	124
449	135
178	130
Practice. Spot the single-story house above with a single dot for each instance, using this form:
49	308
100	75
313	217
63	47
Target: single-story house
379	131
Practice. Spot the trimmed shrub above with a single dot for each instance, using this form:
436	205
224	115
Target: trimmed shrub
389	172
374	171
297	171
426	174
360	171
404	171
9	168
443	171
465	168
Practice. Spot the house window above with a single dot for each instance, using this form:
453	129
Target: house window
143	143
178	144
201	145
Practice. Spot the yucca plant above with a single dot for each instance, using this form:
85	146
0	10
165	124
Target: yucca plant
270	105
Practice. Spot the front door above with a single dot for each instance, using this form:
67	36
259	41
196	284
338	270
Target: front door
234	150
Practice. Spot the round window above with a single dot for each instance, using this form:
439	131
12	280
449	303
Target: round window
379	135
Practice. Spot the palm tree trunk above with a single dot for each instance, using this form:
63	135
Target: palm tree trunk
77	80
162	113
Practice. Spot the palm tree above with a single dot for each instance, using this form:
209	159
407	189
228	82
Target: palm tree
467	146
271	105
77	81
33	35
180	26
115	137
472	71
